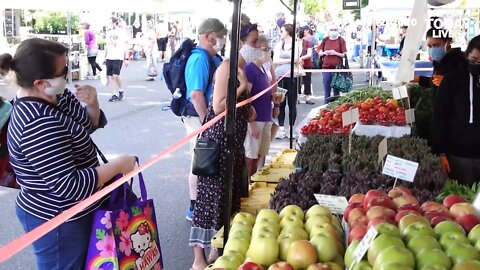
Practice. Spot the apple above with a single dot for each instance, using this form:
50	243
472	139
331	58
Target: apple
451	238
251	266
434	267
318	209
227	262
468	221
362	265
463	252
326	248
241	226
337	224
388	229
393	266
405	200
438	219
337	264
409	219
418	228
327	229
362	220
461	209
355	214
296	230
291	221
394	254
432	256
468	265
292	209
453	199
240	234
356	198
379	220
357	233
301	254
421	242
268	213
372	194
382	201
281	266
265	228
474	234
438	213
349	258
243	216
477	245
316	219
238	244
430	206
414	207
324	266
285	240
263	250
350	207
381	243
398	191
448	226
240	255
403	213
380	211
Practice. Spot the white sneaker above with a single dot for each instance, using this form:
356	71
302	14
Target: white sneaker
281	134
103	78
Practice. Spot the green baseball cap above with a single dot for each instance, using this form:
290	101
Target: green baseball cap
212	25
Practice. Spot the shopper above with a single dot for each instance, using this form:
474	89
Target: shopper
92	50
116	56
52	153
172	37
211	40
456	119
306	61
162	39
333	49
150	50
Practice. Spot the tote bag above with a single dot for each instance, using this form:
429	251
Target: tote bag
342	81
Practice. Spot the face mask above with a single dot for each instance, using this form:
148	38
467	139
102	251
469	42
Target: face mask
437	53
334	34
57	86
474	68
219	44
250	54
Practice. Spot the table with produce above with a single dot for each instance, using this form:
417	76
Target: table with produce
427	223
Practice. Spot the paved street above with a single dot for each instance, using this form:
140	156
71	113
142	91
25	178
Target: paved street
139	126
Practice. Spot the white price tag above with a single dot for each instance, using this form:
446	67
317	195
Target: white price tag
382	149
476	203
364	244
336	204
410	116
351	116
400	168
400	92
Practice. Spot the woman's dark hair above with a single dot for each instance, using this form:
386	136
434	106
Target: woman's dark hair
289	28
472	45
34	59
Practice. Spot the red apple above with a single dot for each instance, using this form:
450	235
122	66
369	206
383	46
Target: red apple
378	211
355	214
405	200
430	215
250	266
374	222
430	206
452	199
350	207
403	213
382	201
438	219
281	266
399	191
360	221
461	209
356	198
372	194
414	207
468	221
357	233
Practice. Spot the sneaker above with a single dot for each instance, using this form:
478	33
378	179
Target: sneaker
309	102
189	216
114	98
120	95
281	134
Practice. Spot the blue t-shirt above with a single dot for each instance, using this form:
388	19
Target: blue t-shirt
197	72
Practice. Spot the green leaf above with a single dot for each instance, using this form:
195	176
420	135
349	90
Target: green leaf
136	211
100	234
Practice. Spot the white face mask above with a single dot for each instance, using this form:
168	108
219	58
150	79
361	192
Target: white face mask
57	86
251	54
219	44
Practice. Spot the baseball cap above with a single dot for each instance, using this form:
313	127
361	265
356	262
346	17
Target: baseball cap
212	25
307	27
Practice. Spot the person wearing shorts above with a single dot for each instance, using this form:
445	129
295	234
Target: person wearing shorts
162	39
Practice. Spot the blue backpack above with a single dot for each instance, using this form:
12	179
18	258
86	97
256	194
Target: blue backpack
174	75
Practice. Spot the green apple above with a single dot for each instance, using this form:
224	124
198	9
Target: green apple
326	247
241	234
381	243
292	209
241	226
318	209
421	242
244	216
324	228
285	239
409	219
469	265
265	228
339	259
448	226
394	266
432	257
301	254
296	230
337	224
263	250
450	238
477	245
349	258
434	267
418	228
266	222
394	254
236	253
290	221
316	219
462	252
227	262
268	213
474	234
238	244
389	229
362	265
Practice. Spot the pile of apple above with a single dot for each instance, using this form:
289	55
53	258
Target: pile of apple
430	236
290	240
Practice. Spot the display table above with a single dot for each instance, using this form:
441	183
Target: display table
374	130
389	67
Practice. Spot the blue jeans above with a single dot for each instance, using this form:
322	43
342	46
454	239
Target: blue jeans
327	79
64	247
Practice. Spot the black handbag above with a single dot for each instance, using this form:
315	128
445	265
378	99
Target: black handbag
206	156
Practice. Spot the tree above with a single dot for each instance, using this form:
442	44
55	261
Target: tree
55	23
356	13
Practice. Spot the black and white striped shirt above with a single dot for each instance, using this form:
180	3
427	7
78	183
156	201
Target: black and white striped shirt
52	155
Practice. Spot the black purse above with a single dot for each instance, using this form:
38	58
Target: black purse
206	155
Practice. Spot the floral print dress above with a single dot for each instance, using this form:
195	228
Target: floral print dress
209	207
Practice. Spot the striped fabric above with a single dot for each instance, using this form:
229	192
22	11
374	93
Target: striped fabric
52	155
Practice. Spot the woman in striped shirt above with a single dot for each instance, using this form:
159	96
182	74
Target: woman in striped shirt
51	151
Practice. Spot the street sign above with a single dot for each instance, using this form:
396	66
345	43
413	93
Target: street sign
351	4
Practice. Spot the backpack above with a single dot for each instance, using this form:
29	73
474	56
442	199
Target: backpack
7	176
174	75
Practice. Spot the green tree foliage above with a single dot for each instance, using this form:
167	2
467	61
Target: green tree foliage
356	13
55	23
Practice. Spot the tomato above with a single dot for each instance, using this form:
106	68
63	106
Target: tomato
400	110
322	122
337	118
383	109
328	115
323	112
365	106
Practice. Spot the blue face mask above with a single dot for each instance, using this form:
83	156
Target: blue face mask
333	34
437	53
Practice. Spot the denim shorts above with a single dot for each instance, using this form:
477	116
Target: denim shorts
64	247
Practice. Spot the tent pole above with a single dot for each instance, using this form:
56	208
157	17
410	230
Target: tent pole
293	92
230	117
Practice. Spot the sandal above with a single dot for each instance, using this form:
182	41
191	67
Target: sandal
213	256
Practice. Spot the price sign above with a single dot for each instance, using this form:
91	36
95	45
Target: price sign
410	116
400	168
476	202
382	150
364	245
351	116
400	92
336	204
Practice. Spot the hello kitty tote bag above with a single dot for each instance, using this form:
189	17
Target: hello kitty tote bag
124	236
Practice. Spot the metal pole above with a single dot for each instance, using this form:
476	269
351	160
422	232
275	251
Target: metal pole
292	92
230	117
69	34
372	51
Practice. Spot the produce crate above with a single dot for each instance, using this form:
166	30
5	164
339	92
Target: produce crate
285	158
272	173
